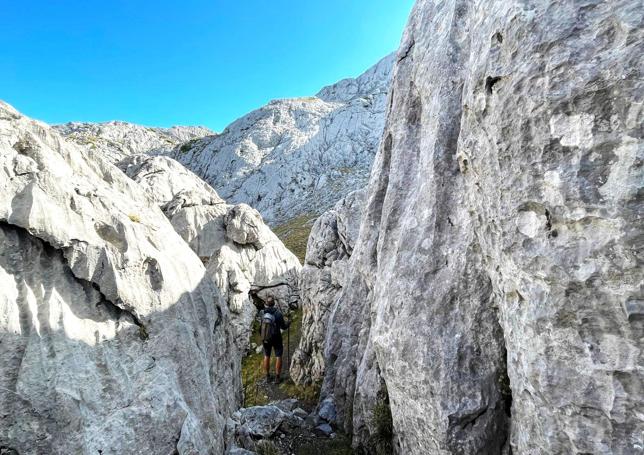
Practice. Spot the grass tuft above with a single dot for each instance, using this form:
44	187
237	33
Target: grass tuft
265	447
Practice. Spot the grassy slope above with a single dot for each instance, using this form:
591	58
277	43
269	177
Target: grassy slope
295	234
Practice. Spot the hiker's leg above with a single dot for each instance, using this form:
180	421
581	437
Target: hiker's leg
279	350
278	367
267	365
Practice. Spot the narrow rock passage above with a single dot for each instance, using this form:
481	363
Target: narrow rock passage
256	390
281	418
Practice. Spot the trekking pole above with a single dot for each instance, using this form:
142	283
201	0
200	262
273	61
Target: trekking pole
288	344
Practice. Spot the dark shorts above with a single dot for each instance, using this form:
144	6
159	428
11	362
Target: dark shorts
275	344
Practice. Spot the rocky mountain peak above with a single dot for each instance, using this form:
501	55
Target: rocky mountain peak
294	158
374	80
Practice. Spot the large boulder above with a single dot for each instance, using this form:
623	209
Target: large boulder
494	299
192	206
244	257
113	338
249	428
322	278
244	226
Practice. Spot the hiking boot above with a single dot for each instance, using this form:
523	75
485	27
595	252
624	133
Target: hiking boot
278	380
267	380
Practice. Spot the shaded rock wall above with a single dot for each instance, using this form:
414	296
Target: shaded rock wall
495	289
113	339
321	281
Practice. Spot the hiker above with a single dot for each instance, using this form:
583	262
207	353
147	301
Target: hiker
272	324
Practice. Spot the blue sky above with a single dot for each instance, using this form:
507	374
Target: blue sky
190	62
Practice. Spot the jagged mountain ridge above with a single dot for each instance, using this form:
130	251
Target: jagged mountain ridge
291	158
117	140
297	157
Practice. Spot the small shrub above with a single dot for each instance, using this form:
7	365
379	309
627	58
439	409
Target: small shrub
382	419
383	425
265	447
185	147
143	333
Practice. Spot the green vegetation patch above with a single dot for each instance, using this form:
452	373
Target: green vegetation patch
186	146
295	234
266	447
382	422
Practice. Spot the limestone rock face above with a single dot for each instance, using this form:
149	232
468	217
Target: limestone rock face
321	280
113	338
495	294
191	205
244	257
117	140
244	226
297	157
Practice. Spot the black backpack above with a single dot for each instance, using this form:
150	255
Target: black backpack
268	327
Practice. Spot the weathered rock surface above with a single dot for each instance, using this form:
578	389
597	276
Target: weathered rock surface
190	204
496	286
297	157
259	421
321	280
117	140
113	339
239	451
245	259
247	426
324	429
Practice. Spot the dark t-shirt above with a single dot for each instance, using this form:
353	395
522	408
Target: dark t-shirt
279	320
